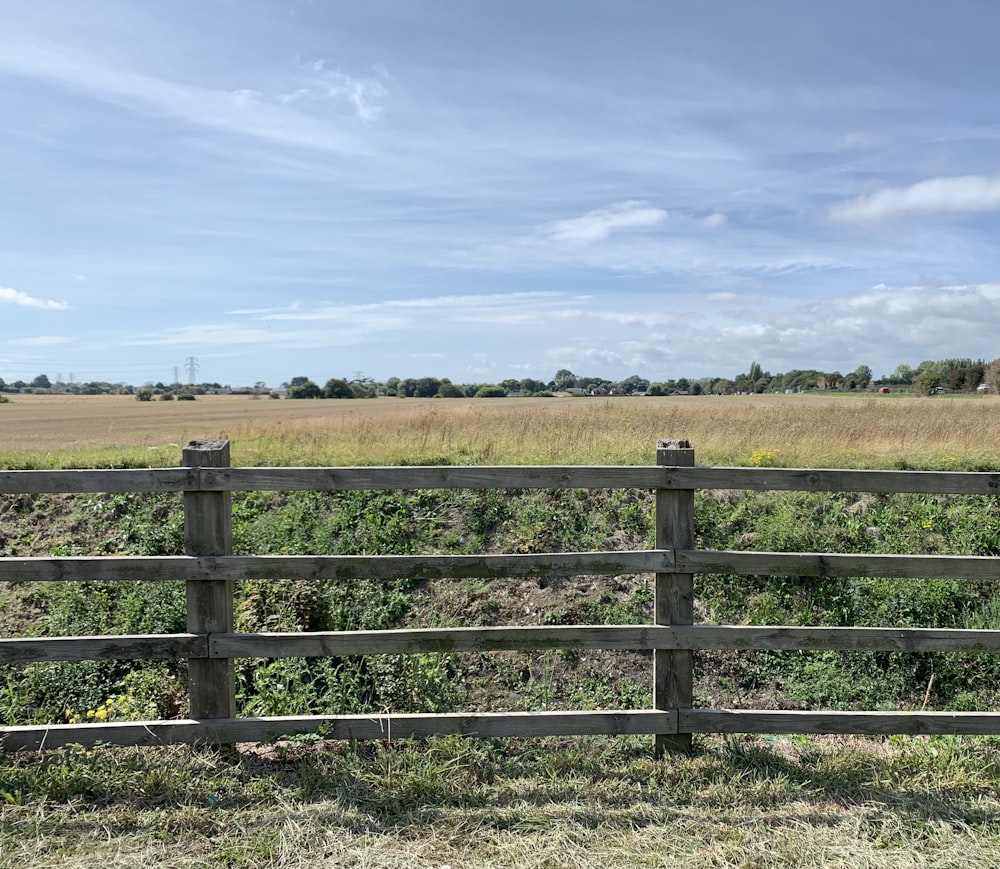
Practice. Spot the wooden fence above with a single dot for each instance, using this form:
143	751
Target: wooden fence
210	570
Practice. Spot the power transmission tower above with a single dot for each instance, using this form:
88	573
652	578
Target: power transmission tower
177	375
191	364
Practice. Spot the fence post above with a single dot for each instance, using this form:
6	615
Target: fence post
208	530
673	671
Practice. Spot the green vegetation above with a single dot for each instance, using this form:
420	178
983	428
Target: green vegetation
523	521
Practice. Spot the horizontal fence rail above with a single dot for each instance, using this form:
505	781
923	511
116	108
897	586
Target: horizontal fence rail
211	644
497	477
327	567
634	638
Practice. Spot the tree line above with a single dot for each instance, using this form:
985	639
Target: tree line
931	376
954	375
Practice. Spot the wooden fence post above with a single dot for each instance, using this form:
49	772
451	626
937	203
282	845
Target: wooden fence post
208	530
673	671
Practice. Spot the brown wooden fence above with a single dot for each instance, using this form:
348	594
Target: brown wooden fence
209	571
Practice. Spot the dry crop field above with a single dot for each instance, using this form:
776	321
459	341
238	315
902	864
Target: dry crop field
792	431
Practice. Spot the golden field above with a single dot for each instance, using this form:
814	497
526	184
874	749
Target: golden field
789	430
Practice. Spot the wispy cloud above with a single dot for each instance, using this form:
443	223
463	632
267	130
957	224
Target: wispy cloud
42	341
967	193
598	225
334	85
16	297
248	111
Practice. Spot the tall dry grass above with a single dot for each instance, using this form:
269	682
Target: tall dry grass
793	431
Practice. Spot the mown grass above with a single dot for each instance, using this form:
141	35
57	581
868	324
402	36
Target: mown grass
451	801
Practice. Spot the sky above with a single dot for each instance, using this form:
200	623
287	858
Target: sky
481	190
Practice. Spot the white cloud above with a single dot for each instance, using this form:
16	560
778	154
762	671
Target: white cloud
42	341
16	297
968	193
598	225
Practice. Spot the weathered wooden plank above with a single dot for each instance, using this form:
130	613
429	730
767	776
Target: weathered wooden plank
498	476
834	480
105	569
232	567
98	480
435	477
840	564
833	638
621	637
208	531
122	648
673	604
412	640
404	641
759	721
382	727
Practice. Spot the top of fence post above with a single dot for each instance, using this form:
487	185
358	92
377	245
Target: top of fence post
206	454
208	525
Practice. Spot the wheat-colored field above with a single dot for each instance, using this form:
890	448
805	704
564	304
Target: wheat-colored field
788	430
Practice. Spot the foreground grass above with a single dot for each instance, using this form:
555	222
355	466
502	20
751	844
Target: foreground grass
450	801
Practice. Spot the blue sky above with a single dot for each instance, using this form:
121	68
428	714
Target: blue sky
484	190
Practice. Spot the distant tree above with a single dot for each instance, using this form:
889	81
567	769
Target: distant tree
863	376
336	387
966	379
902	375
928	381
683	384
306	389
991	375
144	395
634	383
363	390
427	387
491	391
531	386
41	382
390	385
449	390
564	379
